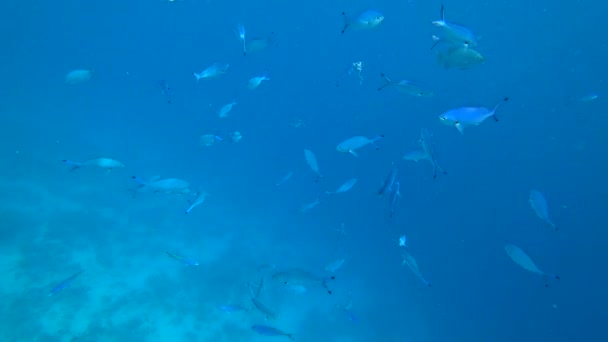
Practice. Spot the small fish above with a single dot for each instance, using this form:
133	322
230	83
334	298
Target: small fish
389	181
408	87
270	314
583	99
186	261
459	57
79	76
415	155
334	265
209	139
365	20
311	160
454	33
352	144
166	90
394	196
213	71
241	32
255	82
409	260
255	44
270	331
428	146
539	205
348	309
165	185
522	259
284	179
104	163
223	112
306	207
344	187
65	283
199	200
297	277
235	137
464	117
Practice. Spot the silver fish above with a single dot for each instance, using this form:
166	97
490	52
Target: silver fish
166	185
522	259
311	160
255	82
365	20
199	200
408	87
415	155
334	265
464	117
454	33
213	71
223	112
104	163
187	261
389	181
428	146
79	76
409	260
539	205
299	277
352	144
459	57
305	208
270	314
284	179
395	195
344	187
270	331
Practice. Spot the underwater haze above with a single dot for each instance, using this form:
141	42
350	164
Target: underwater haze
339	171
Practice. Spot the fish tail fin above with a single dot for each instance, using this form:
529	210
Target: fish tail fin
346	22
75	165
497	106
387	83
197	76
324	283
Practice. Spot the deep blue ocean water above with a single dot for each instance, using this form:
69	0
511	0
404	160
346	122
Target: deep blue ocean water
546	56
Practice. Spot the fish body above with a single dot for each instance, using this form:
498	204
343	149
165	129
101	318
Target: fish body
428	146
255	82
539	205
365	20
459	57
408	87
344	187
311	160
209	139
284	179
223	112
522	259
415	155
213	71
165	185
469	116
199	200
299	277
334	265
409	260
395	195
306	207
270	331
79	76
454	33
352	144
270	314
389	181
104	163
186	261
65	283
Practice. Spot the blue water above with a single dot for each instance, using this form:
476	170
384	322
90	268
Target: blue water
543	55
